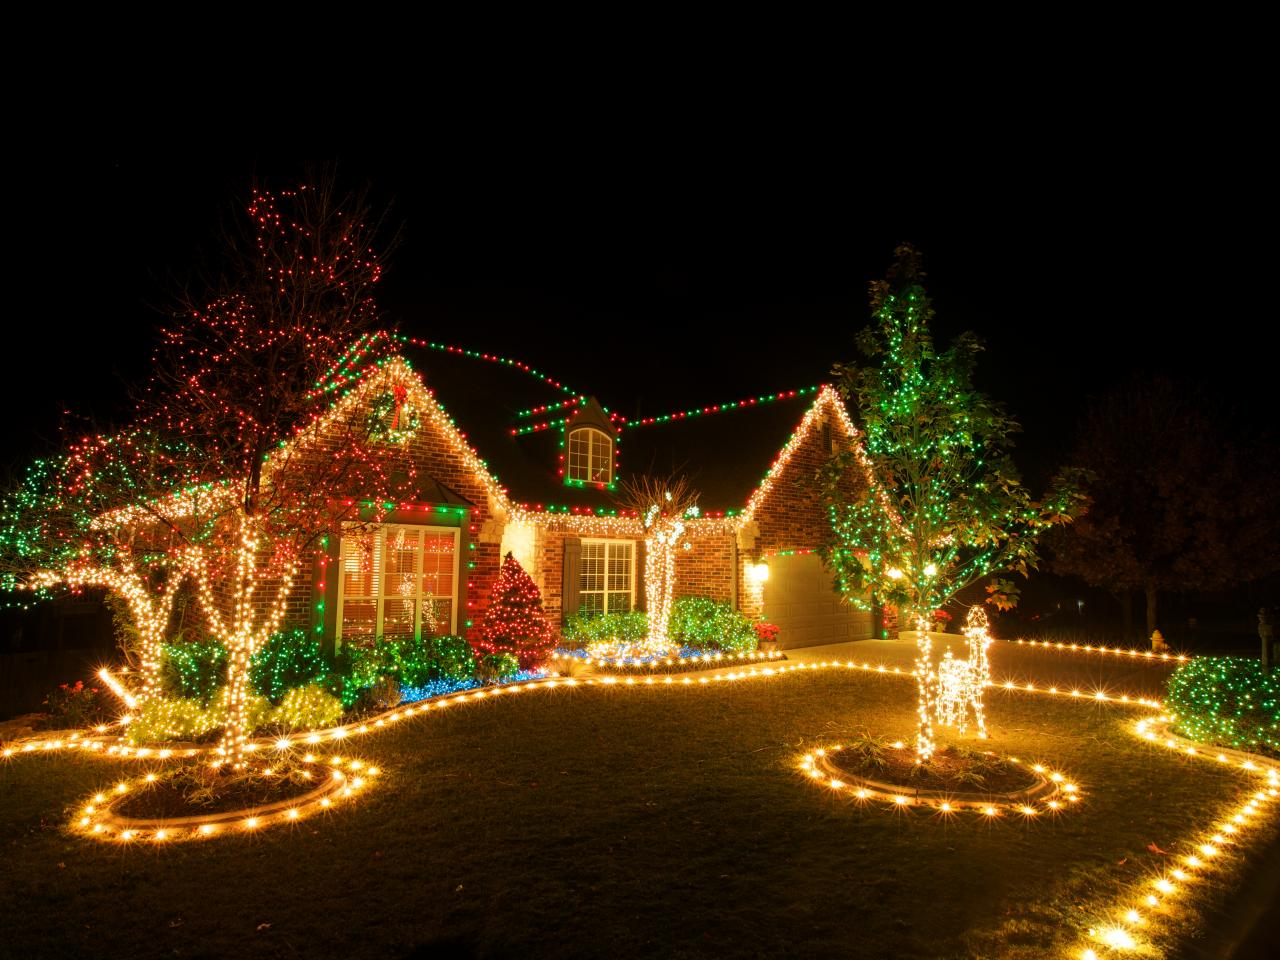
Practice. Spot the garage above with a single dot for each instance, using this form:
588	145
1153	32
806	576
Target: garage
799	598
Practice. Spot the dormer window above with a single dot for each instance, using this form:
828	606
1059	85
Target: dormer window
590	456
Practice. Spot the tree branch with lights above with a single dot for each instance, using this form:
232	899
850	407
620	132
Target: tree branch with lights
946	506
56	535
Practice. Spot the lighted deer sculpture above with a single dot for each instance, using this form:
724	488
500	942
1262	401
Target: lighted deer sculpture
961	682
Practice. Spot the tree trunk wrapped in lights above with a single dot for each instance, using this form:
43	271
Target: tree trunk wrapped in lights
53	536
663	506
150	607
946	506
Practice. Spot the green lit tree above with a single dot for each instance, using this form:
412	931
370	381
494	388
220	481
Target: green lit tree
946	506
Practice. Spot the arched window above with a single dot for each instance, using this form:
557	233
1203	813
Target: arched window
590	456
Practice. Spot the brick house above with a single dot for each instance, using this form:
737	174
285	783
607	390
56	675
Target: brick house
509	459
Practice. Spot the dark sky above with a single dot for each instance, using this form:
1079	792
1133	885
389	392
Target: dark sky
660	277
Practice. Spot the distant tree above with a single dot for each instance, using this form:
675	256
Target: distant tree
1176	502
946	506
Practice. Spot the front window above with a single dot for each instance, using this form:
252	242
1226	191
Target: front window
397	581
590	456
606	580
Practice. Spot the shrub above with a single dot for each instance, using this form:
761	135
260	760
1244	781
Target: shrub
606	630
73	705
765	632
357	668
497	667
1227	700
193	670
309	706
290	659
705	624
418	661
162	720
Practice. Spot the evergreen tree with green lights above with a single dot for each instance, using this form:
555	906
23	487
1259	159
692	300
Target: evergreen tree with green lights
945	506
515	622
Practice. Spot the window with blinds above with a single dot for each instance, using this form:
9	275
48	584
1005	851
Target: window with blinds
606	577
398	581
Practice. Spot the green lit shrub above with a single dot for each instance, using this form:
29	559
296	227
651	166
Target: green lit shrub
357	669
705	624
289	659
420	660
193	671
497	667
163	720
1227	700
606	630
306	707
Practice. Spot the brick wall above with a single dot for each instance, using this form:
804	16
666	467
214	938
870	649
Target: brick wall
706	569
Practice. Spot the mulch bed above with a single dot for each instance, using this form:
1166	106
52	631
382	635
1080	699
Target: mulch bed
949	769
197	789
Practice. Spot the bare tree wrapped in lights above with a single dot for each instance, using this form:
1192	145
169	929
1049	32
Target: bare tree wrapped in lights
946	506
663	506
243	374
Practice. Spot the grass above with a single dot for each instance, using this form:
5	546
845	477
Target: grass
627	822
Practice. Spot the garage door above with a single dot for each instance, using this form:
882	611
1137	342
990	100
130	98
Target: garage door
799	598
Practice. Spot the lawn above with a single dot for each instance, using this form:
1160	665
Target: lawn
635	822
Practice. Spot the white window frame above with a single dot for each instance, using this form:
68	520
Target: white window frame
380	538
604	608
590	434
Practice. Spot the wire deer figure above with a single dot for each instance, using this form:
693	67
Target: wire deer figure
961	682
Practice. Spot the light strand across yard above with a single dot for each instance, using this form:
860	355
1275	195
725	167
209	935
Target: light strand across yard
1202	852
1132	652
95	743
707	660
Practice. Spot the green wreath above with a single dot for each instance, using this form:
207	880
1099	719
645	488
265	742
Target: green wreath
393	418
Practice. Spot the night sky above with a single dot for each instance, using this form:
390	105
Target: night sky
661	279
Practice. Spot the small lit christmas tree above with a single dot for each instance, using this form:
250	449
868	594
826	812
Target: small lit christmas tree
515	622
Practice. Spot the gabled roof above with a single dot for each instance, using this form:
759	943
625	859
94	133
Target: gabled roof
725	451
731	452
